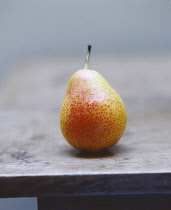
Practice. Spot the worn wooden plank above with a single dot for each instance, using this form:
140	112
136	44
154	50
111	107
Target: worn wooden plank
31	143
80	185
37	161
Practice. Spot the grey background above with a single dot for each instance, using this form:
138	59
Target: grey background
18	204
35	28
53	27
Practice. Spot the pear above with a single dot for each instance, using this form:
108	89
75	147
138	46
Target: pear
93	116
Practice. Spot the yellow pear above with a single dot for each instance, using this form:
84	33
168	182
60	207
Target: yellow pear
93	116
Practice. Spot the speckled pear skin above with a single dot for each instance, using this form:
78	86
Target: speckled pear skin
93	116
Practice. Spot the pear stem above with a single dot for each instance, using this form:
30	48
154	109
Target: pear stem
87	57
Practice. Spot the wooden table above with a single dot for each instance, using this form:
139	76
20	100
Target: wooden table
36	161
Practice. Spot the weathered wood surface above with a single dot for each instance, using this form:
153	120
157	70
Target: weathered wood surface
35	160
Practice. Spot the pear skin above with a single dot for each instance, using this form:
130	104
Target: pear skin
93	116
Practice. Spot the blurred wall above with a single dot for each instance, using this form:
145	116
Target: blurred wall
41	27
18	204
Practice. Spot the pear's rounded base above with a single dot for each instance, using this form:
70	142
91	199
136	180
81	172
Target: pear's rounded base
93	148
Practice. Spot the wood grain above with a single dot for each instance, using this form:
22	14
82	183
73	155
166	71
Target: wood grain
35	160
